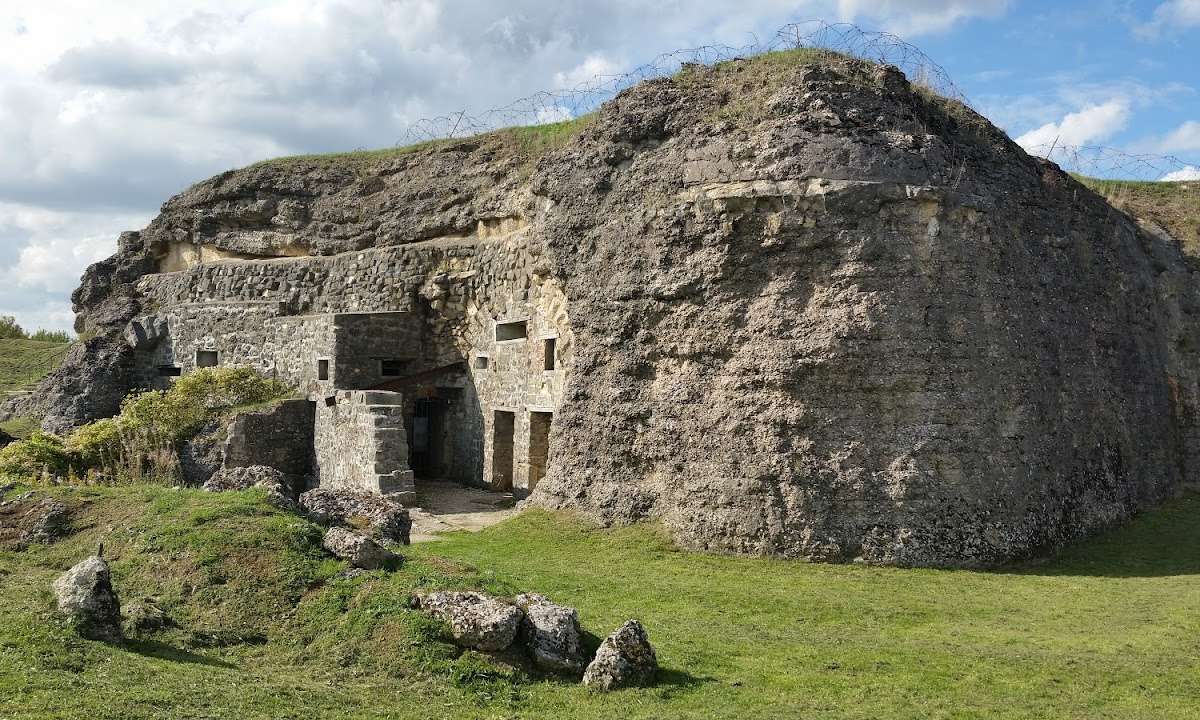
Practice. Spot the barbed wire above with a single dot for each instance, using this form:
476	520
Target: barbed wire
564	104
558	105
1101	161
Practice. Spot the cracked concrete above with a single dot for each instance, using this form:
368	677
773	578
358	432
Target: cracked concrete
448	507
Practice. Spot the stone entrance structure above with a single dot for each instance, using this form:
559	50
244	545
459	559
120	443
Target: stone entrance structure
436	360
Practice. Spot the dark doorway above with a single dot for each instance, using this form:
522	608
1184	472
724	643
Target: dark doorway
427	444
539	446
503	428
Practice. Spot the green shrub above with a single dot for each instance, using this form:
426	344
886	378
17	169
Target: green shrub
140	444
10	330
42	452
95	444
218	389
54	336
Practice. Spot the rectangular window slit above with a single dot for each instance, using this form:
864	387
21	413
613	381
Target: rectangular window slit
169	371
548	354
512	330
322	369
481	362
392	368
206	358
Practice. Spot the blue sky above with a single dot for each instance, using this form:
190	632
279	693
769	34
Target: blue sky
108	109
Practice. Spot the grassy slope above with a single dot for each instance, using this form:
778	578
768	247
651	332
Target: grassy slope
24	362
531	140
1175	206
1111	629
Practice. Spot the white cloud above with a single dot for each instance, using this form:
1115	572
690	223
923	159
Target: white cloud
44	252
919	17
1185	138
592	67
1188	172
1089	125
1171	17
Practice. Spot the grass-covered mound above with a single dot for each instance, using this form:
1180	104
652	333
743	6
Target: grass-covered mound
1173	206
24	362
1110	629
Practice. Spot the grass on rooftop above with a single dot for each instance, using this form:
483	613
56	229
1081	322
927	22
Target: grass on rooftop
1174	206
530	140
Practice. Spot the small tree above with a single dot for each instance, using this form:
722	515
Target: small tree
54	336
10	330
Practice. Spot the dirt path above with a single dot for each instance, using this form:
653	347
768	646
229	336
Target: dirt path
444	506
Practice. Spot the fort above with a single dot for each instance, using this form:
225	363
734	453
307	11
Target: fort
791	305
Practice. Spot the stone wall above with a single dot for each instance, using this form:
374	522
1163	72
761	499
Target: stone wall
431	313
360	443
370	348
280	437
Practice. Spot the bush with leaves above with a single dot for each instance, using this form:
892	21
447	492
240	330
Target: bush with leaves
141	443
9	329
41	453
54	336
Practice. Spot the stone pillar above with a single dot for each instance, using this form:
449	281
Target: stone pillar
361	443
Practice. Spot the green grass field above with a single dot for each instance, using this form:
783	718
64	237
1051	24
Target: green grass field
1109	629
24	362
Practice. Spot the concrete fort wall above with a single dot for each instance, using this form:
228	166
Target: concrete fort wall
359	443
280	437
462	330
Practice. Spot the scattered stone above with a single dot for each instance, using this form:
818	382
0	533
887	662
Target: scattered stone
551	634
357	549
243	478
625	659
25	521
476	620
349	573
47	521
144	616
86	597
326	506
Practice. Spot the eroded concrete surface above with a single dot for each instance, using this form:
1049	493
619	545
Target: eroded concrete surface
446	507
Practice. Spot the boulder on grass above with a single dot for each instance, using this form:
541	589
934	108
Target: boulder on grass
476	620
277	485
26	520
357	549
244	478
551	634
625	659
144	616
86	597
327	506
46	521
